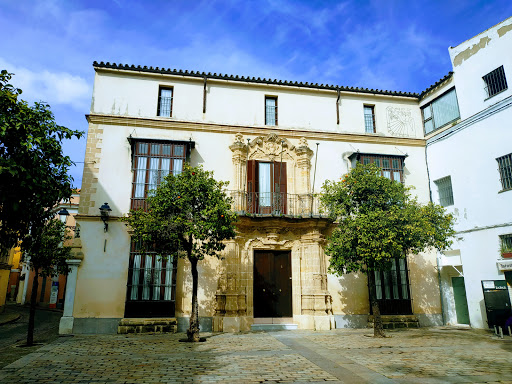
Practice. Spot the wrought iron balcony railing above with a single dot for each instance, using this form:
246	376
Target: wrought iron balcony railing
276	204
267	204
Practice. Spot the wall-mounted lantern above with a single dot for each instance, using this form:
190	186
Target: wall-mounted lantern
105	213
63	216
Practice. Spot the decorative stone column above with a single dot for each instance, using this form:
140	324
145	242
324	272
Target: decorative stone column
231	295
239	150
67	319
316	299
304	154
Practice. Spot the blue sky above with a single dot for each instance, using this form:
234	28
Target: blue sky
394	45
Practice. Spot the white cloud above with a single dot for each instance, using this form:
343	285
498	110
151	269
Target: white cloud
50	87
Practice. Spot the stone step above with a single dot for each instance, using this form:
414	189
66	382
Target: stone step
153	325
273	327
396	321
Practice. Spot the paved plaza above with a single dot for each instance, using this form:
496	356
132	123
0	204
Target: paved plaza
434	355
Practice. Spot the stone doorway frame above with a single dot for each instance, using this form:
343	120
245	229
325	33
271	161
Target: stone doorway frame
304	239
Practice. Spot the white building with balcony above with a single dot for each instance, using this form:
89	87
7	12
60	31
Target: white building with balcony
267	137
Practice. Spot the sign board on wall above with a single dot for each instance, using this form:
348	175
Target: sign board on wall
504	265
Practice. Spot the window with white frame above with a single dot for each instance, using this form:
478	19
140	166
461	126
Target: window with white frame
445	191
505	169
369	118
441	111
270	110
495	82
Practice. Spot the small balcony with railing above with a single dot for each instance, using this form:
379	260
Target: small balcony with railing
276	204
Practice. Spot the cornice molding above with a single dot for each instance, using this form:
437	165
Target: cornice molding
166	123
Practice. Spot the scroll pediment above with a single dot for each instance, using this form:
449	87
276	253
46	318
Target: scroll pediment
272	147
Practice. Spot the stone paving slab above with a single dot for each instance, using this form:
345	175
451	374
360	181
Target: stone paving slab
341	356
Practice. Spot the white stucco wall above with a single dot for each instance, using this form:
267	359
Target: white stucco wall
233	108
234	103
467	152
475	58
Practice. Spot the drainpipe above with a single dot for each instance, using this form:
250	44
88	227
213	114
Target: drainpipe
439	280
204	94
338	106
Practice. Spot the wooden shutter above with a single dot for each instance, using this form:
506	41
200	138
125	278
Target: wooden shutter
251	176
280	183
252	186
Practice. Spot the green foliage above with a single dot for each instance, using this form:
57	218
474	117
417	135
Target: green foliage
33	168
189	214
378	220
505	247
46	250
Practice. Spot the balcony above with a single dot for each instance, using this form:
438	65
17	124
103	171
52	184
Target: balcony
276	204
266	204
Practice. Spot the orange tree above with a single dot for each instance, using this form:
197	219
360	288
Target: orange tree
377	221
33	168
188	215
33	179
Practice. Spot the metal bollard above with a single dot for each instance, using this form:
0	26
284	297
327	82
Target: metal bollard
495	331
509	333
501	332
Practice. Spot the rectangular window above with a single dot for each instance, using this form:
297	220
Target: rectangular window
441	111
505	168
165	102
270	110
495	82
369	118
152	162
151	285
392	166
506	243
444	189
392	289
507	240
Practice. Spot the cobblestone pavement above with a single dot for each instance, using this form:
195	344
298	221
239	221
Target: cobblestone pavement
435	355
15	332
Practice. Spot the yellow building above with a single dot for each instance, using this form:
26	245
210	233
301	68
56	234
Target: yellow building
8	270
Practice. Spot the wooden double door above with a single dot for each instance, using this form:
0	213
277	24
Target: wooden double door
272	284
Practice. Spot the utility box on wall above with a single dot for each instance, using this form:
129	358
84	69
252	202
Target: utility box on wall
497	302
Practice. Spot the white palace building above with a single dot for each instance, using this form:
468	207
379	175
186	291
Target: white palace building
452	142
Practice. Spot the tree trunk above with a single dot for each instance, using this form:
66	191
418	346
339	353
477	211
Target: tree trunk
32	314
378	330
193	330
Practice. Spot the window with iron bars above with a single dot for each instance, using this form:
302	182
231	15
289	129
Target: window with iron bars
270	110
151	284
151	163
506	242
445	191
505	168
392	166
165	102
369	118
495	82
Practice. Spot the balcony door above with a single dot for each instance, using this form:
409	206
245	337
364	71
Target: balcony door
266	187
